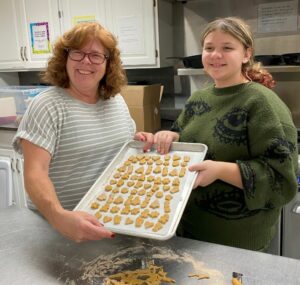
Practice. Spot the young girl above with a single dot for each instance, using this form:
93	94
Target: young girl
250	171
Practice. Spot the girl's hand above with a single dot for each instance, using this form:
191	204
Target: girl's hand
147	138
164	139
208	172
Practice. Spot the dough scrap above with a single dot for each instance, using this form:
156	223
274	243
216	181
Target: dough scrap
151	275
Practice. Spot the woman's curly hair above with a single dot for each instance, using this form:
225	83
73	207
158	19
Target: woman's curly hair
237	28
76	38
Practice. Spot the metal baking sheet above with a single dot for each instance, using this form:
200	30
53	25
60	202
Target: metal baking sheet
195	151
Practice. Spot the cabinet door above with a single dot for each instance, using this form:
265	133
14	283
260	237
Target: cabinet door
132	21
41	25
20	192
11	35
16	172
6	184
75	11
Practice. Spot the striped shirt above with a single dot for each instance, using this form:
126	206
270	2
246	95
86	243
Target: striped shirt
81	138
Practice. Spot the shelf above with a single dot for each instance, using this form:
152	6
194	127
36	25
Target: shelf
289	68
200	71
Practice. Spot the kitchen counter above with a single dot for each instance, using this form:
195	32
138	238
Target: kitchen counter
31	252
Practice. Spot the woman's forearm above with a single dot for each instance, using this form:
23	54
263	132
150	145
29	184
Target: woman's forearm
42	193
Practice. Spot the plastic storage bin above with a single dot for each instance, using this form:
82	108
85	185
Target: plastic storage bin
14	101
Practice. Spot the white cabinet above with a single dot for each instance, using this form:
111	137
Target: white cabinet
75	11
134	25
11	38
13	176
132	21
6	184
143	28
27	28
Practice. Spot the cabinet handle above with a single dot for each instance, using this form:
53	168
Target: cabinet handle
296	209
17	166
12	163
25	54
21	53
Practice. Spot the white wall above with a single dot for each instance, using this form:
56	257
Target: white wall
198	13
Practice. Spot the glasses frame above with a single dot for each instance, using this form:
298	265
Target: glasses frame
84	54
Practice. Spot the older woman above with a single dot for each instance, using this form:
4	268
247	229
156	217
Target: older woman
72	131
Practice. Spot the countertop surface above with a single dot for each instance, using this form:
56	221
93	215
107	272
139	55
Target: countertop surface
31	252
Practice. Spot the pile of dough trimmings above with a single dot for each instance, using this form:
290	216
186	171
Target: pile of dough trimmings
140	191
152	275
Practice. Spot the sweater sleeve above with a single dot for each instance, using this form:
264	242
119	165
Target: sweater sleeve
270	177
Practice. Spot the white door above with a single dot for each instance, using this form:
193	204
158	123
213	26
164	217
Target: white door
75	11
12	176
41	25
132	21
6	182
11	35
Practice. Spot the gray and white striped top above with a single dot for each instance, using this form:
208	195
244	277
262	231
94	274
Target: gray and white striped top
81	138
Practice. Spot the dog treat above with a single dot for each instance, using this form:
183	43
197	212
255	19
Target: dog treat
114	209
94	205
138	222
101	197
117	219
107	219
158	226
128	221
108	188
98	215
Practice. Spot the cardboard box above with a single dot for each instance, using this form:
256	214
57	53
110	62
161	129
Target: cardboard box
143	103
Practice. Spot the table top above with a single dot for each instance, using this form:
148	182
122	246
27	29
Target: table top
32	252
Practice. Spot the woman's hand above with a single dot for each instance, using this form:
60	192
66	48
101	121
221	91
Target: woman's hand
147	138
164	139
209	171
79	226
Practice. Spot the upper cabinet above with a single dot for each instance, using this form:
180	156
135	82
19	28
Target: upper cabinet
75	11
134	26
28	28
11	36
41	22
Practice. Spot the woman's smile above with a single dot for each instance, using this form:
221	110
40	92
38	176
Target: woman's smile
84	72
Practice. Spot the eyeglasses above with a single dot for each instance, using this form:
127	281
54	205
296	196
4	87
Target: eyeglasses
94	57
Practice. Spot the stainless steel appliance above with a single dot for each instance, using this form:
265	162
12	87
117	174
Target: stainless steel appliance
291	226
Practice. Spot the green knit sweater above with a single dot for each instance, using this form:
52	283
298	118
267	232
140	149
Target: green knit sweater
250	125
